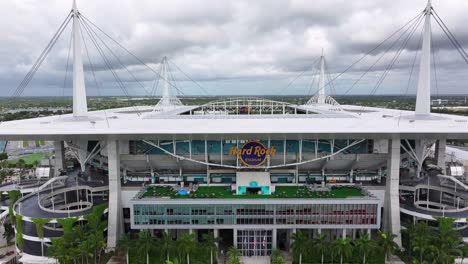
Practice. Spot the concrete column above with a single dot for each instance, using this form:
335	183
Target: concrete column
319	231
115	223
216	235
440	147
59	157
234	235
274	238
354	234
323	178
124	147
343	235
392	201
369	232
291	232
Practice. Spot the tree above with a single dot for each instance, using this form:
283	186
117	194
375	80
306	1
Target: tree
463	251
14	197
40	222
344	248
322	245
364	244
166	243
123	245
9	232
388	244
233	255
95	226
145	243
3	156
448	238
19	231
187	245
209	241
276	258
67	224
298	246
420	237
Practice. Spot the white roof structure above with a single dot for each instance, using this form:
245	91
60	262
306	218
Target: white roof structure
126	123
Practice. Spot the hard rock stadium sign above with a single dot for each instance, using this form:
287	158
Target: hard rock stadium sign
252	153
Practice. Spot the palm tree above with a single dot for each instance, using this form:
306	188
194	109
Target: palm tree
420	237
67	224
166	244
145	244
40	222
187	245
298	246
233	255
463	251
364	244
387	243
322	245
448	238
209	241
123	244
344	248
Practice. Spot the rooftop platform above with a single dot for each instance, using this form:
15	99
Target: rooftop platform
223	192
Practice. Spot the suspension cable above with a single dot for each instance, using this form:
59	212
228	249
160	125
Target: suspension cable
109	66
121	46
19	90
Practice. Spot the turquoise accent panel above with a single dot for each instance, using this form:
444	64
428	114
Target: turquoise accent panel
253	184
265	190
241	190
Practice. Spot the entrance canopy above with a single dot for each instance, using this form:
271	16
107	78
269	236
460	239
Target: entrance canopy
253	181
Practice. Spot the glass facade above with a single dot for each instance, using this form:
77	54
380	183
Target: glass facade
254	242
197	147
159	215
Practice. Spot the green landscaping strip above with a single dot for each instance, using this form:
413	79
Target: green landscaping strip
29	159
220	192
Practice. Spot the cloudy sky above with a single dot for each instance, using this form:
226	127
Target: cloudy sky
233	47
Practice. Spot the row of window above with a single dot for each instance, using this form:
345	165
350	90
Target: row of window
263	214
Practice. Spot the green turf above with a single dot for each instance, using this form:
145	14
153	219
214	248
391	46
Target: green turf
29	159
281	192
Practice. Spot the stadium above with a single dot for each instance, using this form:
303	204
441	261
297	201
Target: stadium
252	171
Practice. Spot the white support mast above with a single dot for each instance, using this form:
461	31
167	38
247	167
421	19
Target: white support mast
321	93
165	90
423	96
80	106
167	101
321	99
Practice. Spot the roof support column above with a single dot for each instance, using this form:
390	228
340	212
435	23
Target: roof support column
59	149
440	148
392	201
115	223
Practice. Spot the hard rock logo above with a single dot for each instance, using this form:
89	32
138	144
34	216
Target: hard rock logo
252	153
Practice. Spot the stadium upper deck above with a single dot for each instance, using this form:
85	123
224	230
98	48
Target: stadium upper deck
187	121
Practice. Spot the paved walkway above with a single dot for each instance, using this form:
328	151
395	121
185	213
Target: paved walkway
256	260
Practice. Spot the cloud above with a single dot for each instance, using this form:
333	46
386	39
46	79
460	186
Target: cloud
229	47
